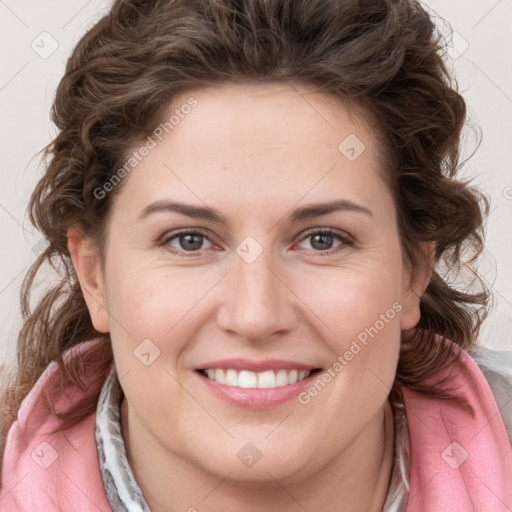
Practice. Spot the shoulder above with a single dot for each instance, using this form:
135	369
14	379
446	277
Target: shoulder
55	393
496	366
462	442
46	466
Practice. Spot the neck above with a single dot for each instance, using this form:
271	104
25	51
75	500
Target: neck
353	480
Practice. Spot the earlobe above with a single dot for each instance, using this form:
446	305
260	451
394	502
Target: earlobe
419	278
87	263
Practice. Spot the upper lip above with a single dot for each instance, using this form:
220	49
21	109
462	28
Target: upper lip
256	366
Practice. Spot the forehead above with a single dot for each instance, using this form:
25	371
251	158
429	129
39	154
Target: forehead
253	114
258	141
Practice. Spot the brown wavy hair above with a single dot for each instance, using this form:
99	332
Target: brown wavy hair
384	56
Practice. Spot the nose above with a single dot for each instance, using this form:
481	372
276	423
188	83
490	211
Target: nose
257	303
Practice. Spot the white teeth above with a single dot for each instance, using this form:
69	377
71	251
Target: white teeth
247	379
282	378
219	376
267	379
231	378
262	380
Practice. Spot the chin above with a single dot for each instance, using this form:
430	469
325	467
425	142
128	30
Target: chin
257	463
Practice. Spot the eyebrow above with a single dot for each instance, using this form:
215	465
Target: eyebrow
197	212
206	213
315	210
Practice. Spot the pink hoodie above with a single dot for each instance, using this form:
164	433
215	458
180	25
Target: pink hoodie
42	471
458	463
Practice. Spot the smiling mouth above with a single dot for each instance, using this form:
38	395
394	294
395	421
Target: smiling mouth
257	380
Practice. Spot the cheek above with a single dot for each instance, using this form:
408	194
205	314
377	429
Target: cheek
351	299
156	311
152	299
357	310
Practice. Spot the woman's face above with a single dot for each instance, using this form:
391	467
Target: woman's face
259	237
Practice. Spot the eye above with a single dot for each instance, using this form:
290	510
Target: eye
193	242
187	241
325	240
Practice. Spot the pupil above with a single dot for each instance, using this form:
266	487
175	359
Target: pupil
191	242
322	241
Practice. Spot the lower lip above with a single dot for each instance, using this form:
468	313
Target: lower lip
257	398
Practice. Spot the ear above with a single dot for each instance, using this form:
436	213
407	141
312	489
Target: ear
87	264
415	283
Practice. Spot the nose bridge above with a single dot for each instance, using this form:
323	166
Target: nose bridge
256	283
257	304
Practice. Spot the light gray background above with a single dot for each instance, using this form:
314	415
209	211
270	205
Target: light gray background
31	68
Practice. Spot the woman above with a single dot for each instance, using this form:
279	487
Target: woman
257	218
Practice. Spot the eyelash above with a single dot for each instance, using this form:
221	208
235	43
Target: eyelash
346	240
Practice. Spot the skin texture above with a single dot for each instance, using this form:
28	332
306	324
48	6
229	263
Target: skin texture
255	153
